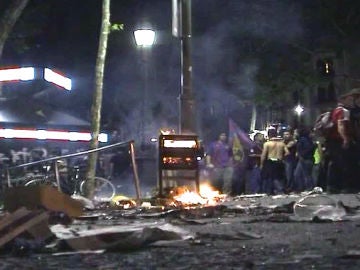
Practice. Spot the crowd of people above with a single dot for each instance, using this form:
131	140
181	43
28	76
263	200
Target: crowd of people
286	160
295	160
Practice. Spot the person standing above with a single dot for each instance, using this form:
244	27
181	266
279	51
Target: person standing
341	155
305	149
289	159
317	171
219	160
272	165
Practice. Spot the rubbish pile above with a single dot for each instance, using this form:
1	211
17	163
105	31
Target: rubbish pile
46	220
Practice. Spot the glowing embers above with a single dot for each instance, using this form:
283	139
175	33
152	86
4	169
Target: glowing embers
17	74
178	162
57	79
41	134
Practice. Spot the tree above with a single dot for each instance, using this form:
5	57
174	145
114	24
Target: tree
8	20
97	96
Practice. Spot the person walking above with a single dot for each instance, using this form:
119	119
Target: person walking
219	160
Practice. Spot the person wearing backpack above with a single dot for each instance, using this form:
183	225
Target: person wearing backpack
340	153
351	101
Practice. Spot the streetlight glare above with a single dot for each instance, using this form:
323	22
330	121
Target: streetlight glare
144	37
299	109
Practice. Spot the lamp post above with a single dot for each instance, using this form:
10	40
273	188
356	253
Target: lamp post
187	104
144	39
181	28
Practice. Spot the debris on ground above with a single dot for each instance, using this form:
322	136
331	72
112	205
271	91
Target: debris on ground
123	225
24	224
44	196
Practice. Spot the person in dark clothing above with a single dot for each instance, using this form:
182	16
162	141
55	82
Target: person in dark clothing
290	159
305	149
342	146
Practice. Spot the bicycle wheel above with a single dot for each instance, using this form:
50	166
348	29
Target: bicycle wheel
104	189
40	180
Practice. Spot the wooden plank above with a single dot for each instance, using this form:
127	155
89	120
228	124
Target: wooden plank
11	218
14	232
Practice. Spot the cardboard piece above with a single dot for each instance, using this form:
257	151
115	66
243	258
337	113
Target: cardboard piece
43	197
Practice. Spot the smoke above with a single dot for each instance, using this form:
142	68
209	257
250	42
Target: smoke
227	37
224	67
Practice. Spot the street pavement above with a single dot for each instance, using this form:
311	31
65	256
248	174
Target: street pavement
243	232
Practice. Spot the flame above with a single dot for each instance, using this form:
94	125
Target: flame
207	191
208	196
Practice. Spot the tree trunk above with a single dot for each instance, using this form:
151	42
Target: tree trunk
8	20
97	97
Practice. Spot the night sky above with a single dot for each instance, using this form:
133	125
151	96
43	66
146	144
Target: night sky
64	33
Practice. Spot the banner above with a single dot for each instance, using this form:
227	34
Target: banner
239	140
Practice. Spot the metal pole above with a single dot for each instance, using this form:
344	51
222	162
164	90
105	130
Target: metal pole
57	175
187	109
8	178
146	115
135	170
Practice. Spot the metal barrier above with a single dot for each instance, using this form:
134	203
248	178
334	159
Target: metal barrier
56	168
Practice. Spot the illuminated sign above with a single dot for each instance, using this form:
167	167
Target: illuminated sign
17	74
180	143
57	79
28	74
41	134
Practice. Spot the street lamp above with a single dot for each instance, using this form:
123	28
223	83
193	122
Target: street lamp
299	110
144	38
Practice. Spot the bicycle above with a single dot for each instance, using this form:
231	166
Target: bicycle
44	177
104	190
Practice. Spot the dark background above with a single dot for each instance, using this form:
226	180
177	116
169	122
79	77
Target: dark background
238	47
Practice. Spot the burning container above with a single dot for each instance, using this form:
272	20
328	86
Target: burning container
179	157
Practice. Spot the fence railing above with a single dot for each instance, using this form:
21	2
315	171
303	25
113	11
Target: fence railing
56	168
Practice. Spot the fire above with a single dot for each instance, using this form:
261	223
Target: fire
208	191
207	196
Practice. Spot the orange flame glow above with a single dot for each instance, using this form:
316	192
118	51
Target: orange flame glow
207	196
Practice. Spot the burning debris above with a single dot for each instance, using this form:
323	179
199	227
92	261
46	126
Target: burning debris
184	197
126	224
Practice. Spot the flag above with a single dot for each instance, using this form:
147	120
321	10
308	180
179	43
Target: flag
237	148
239	139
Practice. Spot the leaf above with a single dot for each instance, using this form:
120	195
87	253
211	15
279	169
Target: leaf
116	27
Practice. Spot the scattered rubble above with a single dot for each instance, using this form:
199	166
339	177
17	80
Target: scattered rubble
56	223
